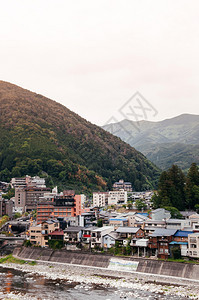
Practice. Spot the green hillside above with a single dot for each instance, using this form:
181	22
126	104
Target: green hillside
41	136
172	141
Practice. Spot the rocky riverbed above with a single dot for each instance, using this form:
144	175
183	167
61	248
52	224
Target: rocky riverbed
86	277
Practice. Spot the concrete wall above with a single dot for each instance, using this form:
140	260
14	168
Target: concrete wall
189	271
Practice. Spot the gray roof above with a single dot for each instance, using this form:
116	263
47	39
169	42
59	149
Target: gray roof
89	228
127	229
112	234
73	229
175	220
163	232
154	222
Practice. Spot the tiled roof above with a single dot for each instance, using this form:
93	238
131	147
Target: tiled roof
182	233
163	232
127	229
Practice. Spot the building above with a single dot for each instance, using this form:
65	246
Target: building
20	182
32	196
73	235
109	239
117	197
126	233
117	222
160	214
150	226
159	242
44	210
39	234
193	245
179	224
126	186
65	206
180	240
28	191
97	235
6	207
100	199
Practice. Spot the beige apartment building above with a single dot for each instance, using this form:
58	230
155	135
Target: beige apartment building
39	233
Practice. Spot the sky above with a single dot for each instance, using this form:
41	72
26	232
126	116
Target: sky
94	55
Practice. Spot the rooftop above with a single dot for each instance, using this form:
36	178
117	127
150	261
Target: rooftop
73	229
163	232
127	229
182	233
57	232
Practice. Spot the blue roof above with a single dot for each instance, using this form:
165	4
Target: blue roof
178	243
143	214
182	233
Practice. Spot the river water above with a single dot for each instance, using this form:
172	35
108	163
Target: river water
16	284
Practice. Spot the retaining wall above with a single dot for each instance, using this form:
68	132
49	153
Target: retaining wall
183	270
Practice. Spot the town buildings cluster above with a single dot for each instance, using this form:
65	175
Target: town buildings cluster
63	217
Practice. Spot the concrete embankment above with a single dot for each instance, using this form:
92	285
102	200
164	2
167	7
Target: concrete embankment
147	266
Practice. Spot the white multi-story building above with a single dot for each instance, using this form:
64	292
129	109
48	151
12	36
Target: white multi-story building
193	245
117	197
100	199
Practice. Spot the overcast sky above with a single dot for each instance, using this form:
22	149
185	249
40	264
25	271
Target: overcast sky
92	56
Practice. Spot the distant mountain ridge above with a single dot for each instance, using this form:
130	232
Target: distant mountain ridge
41	136
167	142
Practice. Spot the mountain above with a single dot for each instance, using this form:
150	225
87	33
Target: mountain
172	141
41	136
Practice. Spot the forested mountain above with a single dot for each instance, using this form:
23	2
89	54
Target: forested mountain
172	141
41	136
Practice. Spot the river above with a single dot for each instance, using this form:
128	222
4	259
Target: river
16	284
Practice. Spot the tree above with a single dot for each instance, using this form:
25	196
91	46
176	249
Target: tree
171	189
129	205
99	223
175	214
140	204
192	186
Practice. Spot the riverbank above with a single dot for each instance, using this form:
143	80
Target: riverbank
87	276
149	267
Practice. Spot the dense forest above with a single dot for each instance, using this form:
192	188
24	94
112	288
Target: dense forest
42	137
178	190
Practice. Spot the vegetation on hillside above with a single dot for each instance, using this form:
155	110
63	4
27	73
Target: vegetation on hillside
172	141
42	137
177	190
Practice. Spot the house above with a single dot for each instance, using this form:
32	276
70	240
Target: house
180	239
57	235
159	242
97	235
178	224
150	226
73	234
136	219
193	245
140	245
86	234
109	239
160	214
118	222
129	233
